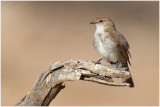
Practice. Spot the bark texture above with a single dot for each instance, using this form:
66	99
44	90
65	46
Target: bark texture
50	82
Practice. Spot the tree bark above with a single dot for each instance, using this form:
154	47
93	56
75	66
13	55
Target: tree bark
50	82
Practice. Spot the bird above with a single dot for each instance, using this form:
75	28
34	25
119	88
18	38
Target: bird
111	45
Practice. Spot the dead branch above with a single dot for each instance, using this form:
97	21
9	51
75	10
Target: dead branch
49	84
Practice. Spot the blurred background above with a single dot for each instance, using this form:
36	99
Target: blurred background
38	34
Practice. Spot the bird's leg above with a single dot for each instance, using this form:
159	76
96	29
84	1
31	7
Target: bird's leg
118	64
98	62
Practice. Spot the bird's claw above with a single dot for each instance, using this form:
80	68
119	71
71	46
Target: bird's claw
97	62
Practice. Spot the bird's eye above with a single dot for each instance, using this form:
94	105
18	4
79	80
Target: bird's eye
101	21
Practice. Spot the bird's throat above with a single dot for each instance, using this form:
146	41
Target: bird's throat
99	28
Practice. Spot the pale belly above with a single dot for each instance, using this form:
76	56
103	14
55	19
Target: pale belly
106	48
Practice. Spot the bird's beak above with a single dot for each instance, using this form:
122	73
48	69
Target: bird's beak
92	22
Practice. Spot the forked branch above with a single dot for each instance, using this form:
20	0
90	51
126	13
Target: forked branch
49	84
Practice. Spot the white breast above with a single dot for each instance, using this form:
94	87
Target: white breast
103	46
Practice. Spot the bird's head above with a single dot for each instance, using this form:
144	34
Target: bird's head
103	21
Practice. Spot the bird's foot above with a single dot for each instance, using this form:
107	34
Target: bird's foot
114	65
117	64
97	62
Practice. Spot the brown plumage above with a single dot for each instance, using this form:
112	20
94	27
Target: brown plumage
111	45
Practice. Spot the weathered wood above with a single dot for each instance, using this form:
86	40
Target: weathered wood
49	84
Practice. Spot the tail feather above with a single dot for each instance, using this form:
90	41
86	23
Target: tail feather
130	81
125	64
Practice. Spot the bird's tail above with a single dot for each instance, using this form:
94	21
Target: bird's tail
130	80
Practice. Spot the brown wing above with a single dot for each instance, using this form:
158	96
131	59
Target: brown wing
124	42
123	45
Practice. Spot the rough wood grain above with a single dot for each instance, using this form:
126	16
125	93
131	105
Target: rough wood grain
49	84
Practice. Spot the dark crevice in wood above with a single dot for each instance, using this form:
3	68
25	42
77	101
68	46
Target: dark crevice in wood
52	70
52	94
